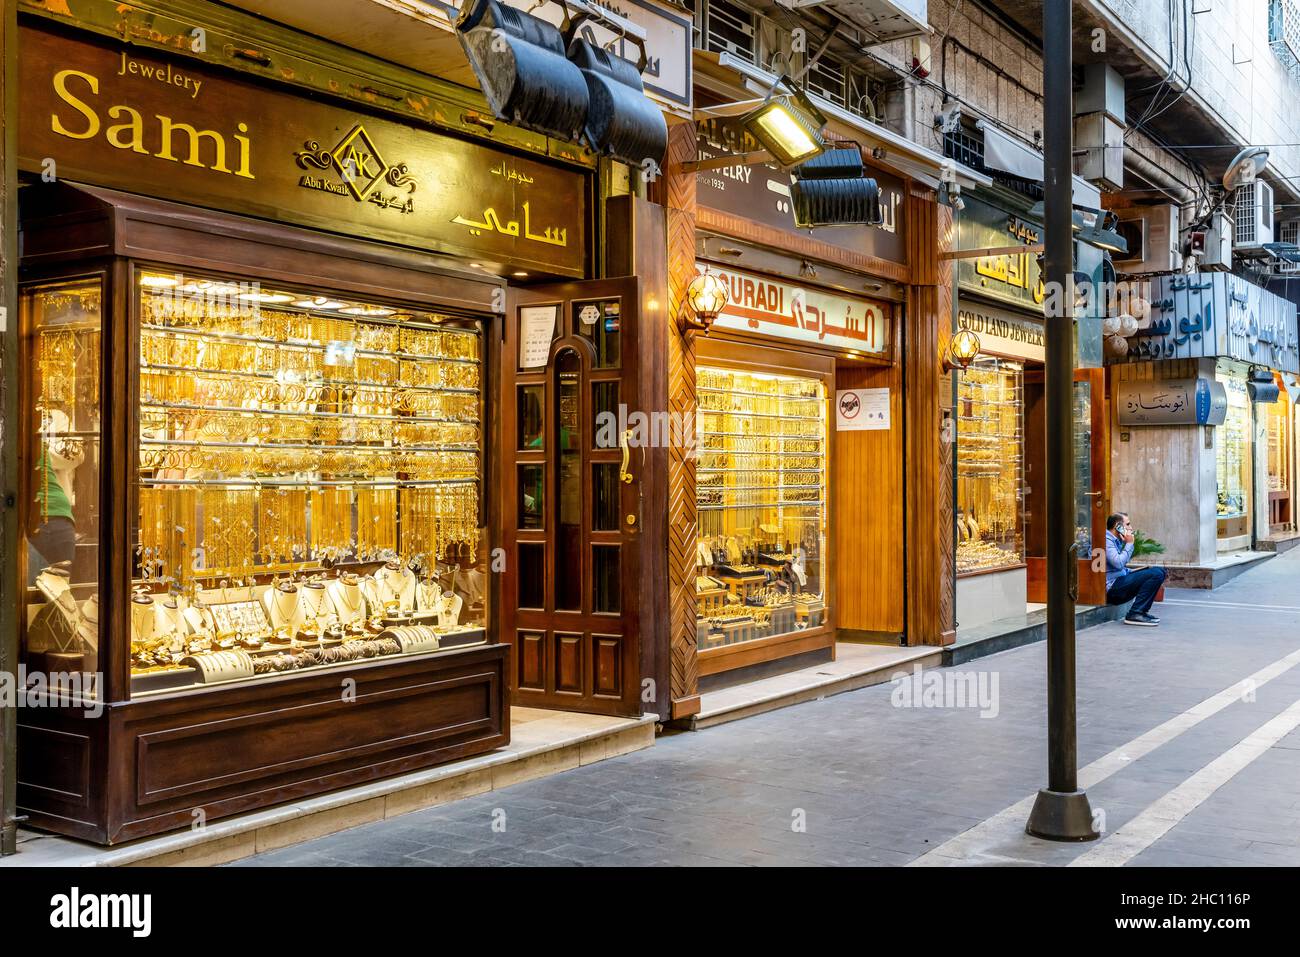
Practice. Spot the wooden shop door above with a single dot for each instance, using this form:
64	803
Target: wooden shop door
571	496
1091	457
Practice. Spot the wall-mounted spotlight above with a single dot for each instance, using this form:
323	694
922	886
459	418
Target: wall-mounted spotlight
833	189
785	125
1096	227
521	66
550	80
962	349
788	126
1261	386
622	122
706	296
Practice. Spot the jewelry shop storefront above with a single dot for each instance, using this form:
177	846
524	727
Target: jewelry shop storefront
789	553
1001	541
259	337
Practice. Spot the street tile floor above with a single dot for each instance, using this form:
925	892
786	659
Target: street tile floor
856	779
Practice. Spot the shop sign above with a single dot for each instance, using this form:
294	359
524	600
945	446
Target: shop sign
1213	315
1002	332
1197	401
1015	278
127	118
667	76
761	193
862	410
770	307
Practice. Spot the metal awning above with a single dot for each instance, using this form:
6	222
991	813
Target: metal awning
1008	155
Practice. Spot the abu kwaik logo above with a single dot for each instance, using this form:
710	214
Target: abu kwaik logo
362	170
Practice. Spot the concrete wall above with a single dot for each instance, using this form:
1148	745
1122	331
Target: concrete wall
1164	476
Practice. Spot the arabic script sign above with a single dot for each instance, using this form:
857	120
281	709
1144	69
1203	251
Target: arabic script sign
770	307
1014	279
125	118
1208	315
1172	402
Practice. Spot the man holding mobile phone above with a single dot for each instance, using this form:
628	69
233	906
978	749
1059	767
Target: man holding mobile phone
1139	586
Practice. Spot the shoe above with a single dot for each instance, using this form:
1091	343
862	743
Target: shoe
1141	619
1154	619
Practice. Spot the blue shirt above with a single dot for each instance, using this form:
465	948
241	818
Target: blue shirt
1118	555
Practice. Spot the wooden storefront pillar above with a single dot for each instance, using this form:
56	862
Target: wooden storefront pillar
678	195
930	435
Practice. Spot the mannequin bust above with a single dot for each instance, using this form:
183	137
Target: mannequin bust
316	608
348	600
144	619
283	607
397	584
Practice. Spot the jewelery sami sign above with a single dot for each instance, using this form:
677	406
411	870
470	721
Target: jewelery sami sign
776	309
131	119
1212	315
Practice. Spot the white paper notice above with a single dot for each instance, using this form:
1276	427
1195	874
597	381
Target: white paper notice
536	330
860	410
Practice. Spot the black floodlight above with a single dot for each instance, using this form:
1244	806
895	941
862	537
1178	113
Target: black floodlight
622	123
1261	386
522	69
833	190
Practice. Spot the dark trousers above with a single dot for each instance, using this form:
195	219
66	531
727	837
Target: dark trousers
51	543
1141	586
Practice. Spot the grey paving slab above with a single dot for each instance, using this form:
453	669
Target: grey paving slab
856	780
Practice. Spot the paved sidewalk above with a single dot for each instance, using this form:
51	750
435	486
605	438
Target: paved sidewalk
854	779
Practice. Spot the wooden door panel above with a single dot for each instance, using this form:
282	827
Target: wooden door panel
568	593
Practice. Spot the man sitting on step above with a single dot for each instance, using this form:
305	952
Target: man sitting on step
1123	585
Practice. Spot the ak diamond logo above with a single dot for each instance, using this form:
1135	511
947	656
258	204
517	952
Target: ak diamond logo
357	159
361	167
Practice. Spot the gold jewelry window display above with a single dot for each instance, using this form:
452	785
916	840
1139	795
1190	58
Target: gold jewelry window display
990	466
761	500
291	433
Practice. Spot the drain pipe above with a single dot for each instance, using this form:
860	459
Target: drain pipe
1180	193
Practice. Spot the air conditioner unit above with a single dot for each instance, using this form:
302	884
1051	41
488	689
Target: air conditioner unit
1288	232
1254	215
1152	235
1217	254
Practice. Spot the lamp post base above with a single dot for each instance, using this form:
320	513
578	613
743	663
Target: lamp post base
1062	816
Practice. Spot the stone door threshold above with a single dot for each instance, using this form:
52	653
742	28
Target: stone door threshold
541	743
855	666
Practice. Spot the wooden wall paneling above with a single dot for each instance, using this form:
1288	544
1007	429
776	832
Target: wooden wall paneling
945	312
867	527
679	199
923	477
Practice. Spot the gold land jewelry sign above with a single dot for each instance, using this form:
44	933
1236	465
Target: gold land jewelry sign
135	120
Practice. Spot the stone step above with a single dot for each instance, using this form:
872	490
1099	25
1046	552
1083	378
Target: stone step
542	743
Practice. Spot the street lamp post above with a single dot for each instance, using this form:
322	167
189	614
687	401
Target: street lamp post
1061	811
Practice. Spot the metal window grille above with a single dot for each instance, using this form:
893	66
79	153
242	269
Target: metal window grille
1284	33
729	29
966	146
826	79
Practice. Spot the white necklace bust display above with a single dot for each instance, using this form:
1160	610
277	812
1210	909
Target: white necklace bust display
283	607
316	606
348	599
397	584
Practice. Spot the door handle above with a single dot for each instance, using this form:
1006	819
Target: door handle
624	474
